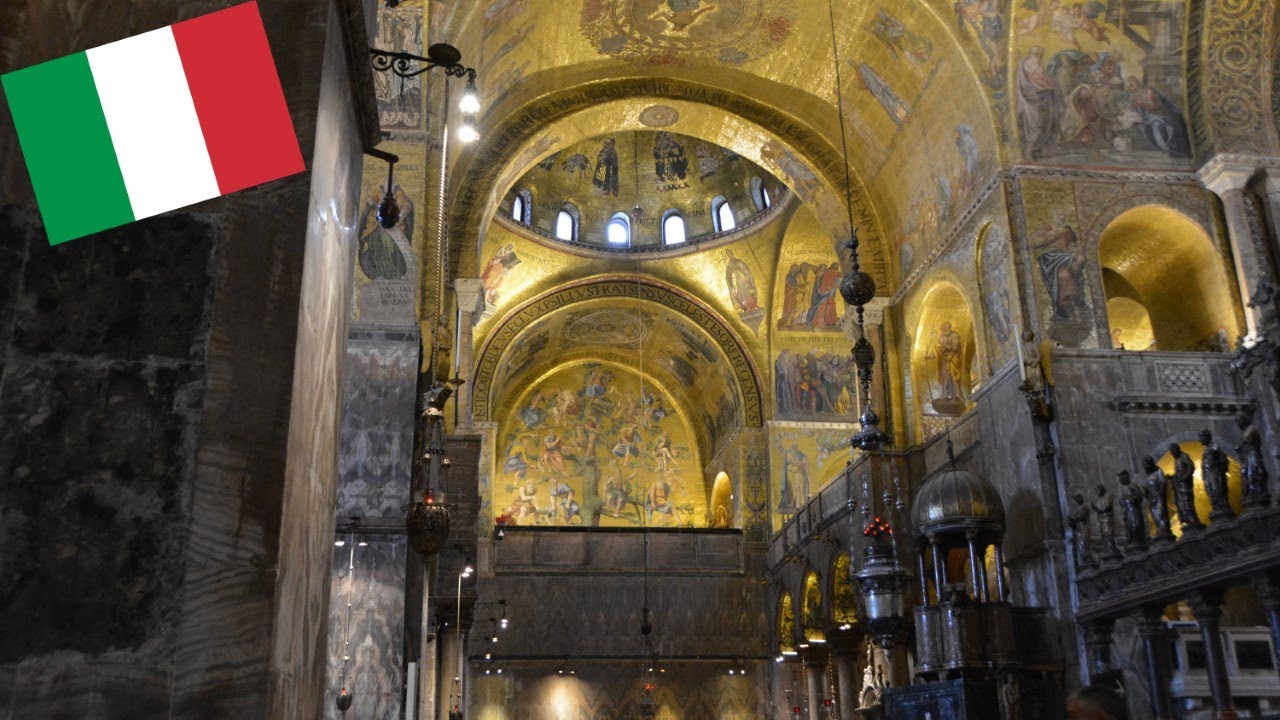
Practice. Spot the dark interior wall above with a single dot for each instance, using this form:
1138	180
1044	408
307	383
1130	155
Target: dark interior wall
146	378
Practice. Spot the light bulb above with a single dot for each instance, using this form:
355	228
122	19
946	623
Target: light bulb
503	624
470	102
339	543
468	133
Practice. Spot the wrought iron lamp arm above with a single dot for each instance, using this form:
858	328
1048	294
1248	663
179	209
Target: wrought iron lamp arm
408	65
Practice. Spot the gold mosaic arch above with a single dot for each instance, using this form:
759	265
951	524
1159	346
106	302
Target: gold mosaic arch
618	286
480	175
518	387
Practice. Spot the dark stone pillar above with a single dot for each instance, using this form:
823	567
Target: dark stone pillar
1268	589
1097	646
1207	607
1155	643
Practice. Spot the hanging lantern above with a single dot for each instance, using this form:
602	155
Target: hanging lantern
343	700
427	523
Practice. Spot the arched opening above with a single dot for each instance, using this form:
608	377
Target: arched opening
722	215
812	615
618	231
672	228
522	206
721	503
1165	283
844	598
943	359
567	224
786	625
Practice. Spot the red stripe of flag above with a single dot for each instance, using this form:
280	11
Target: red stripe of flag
238	98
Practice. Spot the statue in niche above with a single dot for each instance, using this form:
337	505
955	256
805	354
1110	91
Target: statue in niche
1105	515
1157	498
1252	470
1135	516
1011	696
1213	470
1184	489
1078	519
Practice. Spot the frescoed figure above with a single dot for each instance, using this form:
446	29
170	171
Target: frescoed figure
741	284
496	270
605	175
1061	266
382	252
1040	105
948	353
822	303
893	105
795	471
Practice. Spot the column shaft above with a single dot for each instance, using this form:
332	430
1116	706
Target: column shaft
1155	643
1207	608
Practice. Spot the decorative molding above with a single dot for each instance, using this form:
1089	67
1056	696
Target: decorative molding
1068	172
1199	405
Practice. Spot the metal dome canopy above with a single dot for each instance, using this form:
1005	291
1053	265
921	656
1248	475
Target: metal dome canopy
955	502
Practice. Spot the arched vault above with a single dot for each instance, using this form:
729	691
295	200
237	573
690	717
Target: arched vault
664	334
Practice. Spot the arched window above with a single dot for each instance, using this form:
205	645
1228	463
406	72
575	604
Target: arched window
759	194
618	231
722	215
567	223
522	206
672	228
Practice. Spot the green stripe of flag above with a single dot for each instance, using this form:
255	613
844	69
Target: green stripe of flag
68	148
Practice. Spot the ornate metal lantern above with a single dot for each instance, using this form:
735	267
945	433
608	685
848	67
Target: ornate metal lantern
427	523
343	701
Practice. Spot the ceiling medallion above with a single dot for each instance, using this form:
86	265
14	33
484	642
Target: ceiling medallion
607	327
671	32
657	116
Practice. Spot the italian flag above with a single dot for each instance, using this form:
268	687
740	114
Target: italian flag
153	123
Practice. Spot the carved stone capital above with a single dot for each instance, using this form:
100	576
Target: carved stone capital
1097	633
1272	183
469	291
1226	172
1268	589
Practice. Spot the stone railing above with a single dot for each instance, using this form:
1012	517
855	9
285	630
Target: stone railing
1228	552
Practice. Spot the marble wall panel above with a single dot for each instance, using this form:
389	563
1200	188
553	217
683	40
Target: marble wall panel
370	631
376	455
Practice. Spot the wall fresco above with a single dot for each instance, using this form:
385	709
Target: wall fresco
803	458
595	443
659	32
1102	83
387	259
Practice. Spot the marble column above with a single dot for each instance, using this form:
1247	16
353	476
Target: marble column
1155	644
844	656
1097	647
815	675
1268	589
1227	180
469	293
449	673
1207	607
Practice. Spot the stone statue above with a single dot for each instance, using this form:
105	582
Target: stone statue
1253	472
1184	489
1157	498
1011	697
1104	513
1078	519
1135	516
1213	470
872	692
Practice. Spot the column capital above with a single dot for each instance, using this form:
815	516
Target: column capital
814	656
1268	589
1273	178
1097	633
1150	621
1228	171
469	292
